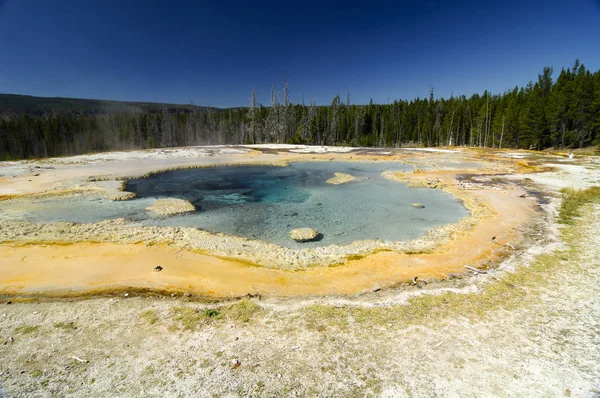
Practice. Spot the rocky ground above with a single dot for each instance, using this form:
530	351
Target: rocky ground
546	344
529	328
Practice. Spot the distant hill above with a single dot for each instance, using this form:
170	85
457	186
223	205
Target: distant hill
13	104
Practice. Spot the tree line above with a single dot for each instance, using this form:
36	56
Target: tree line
545	113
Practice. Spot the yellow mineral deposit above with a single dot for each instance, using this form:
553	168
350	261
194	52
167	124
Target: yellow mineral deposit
57	268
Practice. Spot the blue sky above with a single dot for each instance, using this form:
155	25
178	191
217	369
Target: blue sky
213	53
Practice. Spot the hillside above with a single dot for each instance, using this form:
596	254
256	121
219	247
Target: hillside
17	105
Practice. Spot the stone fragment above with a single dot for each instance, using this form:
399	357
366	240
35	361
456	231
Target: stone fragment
304	234
170	206
341	178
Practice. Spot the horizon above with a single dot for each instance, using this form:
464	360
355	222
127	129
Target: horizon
555	72
118	51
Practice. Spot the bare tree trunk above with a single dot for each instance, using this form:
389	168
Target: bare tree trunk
450	128
502	134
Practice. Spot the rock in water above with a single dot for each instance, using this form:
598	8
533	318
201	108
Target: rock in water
169	207
417	205
304	234
341	178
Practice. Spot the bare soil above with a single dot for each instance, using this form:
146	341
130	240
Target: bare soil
529	327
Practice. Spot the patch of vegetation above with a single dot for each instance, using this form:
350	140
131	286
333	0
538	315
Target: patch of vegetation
573	200
212	313
593	150
66	326
319	316
190	318
242	311
150	316
27	329
36	373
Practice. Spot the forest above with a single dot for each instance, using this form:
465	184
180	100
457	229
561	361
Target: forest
544	113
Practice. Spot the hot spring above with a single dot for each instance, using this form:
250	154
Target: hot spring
266	202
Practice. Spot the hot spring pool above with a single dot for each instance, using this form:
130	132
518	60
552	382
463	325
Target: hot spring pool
266	202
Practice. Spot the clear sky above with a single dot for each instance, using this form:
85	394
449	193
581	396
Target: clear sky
214	52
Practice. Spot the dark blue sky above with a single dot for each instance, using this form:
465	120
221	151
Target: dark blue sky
214	52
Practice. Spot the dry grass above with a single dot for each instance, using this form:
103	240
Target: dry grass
588	151
572	202
242	311
508	293
150	316
65	326
191	318
27	329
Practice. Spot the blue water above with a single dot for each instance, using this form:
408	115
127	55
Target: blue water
266	202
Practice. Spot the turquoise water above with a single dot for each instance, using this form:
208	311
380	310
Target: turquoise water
266	202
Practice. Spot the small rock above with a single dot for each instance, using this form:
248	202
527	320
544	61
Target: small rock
341	178
417	205
171	206
8	302
296	347
126	295
158	268
303	234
